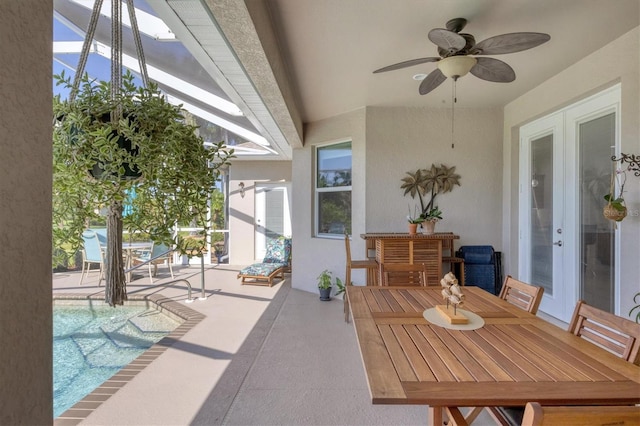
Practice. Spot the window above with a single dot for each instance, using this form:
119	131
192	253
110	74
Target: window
333	189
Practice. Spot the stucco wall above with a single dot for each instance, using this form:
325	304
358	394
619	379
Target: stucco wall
242	209
400	140
26	393
312	255
617	62
386	143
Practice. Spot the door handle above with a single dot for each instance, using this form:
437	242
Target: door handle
558	243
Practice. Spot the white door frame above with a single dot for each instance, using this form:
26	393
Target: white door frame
564	125
260	213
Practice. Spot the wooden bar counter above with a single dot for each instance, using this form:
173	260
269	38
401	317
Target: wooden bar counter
412	248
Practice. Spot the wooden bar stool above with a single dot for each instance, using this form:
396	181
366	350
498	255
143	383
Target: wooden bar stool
370	264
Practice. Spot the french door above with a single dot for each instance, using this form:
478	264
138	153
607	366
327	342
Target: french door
566	245
272	215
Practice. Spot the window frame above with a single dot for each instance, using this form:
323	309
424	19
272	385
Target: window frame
317	191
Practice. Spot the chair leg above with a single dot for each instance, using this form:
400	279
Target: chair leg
150	273
170	268
82	273
347	282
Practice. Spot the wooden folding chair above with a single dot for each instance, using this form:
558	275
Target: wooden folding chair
618	335
395	274
370	265
522	295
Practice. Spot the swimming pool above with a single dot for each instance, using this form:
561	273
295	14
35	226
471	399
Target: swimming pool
92	342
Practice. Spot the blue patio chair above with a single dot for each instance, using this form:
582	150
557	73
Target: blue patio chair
159	254
92	253
276	262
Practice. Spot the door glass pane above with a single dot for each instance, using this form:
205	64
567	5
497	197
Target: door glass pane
274	210
542	213
596	140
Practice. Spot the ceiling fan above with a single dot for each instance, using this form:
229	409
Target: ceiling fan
456	50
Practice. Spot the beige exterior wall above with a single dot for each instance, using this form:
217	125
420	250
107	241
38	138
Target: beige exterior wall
617	62
26	394
242	209
386	143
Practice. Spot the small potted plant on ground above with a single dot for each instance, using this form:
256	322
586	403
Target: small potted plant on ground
324	285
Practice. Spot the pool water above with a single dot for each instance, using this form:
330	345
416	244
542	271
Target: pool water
91	343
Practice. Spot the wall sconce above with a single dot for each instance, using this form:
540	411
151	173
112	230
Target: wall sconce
241	186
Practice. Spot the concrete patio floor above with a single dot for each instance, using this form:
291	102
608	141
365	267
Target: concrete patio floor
261	356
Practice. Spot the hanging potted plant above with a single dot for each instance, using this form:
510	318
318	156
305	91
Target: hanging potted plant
615	209
430	182
151	150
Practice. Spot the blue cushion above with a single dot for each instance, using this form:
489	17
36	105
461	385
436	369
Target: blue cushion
278	251
262	269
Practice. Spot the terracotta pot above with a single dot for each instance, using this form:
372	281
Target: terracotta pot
413	228
429	227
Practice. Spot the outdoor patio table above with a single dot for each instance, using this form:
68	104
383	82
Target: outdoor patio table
515	357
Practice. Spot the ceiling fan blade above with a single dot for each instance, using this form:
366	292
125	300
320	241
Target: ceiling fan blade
406	64
509	43
491	69
433	80
456	24
447	40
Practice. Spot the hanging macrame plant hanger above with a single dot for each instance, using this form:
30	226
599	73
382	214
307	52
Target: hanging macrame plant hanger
115	290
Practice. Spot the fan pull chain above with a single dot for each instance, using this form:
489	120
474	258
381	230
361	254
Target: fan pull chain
454	99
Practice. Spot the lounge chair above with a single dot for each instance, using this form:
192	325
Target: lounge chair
276	262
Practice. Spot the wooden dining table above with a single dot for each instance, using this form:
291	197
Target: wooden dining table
513	358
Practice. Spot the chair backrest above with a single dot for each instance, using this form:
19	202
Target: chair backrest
278	251
618	335
158	249
347	247
592	415
524	296
395	274
92	249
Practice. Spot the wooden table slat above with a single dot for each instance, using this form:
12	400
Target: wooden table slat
543	355
398	357
450	359
520	358
412	354
383	380
471	364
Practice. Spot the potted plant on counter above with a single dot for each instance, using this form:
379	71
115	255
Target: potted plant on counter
430	219
414	221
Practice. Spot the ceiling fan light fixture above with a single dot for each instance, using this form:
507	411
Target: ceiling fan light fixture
456	66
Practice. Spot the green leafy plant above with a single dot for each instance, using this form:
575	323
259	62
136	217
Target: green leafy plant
433	215
324	279
134	149
617	202
340	286
430	182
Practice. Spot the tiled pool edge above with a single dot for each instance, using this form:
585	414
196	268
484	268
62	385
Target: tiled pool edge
83	408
